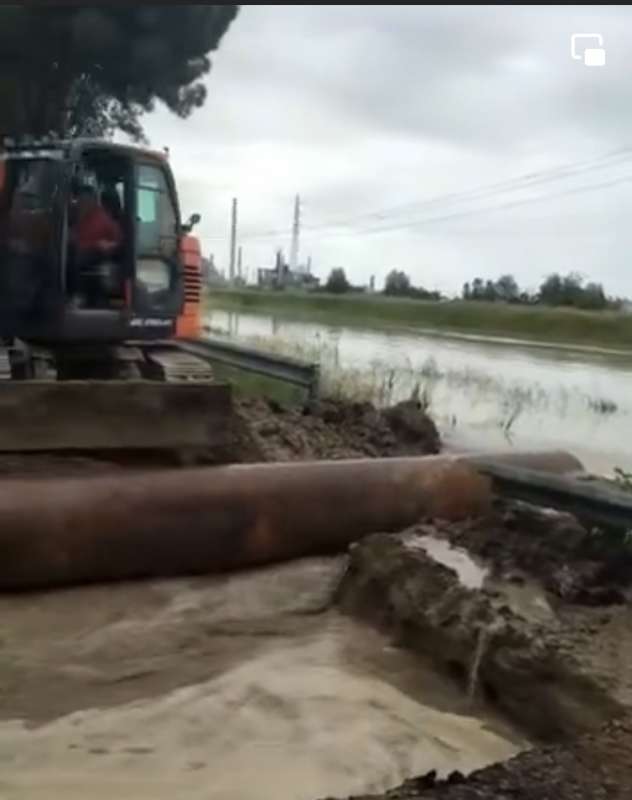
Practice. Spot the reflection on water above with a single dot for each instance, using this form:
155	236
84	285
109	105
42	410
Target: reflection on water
483	393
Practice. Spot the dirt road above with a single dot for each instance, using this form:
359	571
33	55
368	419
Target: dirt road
247	686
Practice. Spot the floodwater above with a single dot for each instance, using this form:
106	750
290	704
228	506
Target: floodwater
484	393
289	699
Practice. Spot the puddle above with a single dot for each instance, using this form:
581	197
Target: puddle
312	705
471	574
527	599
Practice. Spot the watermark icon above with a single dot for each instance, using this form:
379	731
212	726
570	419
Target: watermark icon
582	51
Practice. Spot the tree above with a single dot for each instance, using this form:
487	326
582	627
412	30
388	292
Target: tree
569	290
507	289
489	292
337	282
593	297
572	289
397	284
551	290
478	289
467	292
77	70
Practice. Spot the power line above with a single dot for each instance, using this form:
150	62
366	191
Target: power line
502	207
520	183
503	187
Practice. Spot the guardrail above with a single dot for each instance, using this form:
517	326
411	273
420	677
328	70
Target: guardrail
591	500
282	368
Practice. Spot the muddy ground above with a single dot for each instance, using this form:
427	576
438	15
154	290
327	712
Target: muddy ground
535	616
429	653
268	431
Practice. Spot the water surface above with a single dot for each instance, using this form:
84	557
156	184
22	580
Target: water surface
484	394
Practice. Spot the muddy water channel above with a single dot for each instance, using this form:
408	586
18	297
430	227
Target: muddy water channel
483	393
245	686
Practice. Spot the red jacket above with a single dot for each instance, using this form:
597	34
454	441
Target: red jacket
96	227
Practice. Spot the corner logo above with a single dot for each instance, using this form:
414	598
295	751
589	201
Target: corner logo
582	49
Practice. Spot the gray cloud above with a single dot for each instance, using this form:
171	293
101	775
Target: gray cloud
362	108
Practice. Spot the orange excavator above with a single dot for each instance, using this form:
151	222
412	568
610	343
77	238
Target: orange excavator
91	348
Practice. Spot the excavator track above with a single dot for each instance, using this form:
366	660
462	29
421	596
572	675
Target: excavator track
177	365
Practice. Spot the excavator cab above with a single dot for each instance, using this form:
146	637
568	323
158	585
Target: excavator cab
90	236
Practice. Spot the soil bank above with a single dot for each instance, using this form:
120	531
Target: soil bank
534	616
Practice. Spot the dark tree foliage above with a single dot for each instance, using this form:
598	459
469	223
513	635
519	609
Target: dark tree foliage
555	290
507	289
569	290
337	282
77	70
397	284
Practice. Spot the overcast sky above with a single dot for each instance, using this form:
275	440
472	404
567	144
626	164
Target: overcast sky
375	114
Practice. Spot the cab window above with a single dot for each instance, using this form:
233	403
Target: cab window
156	216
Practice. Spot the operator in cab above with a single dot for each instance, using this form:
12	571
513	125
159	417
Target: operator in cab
96	233
95	237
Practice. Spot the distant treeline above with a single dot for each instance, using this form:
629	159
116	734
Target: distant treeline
556	290
397	284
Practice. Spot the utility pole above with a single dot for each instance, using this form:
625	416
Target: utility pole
239	272
296	231
233	242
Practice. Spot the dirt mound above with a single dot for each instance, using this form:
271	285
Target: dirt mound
596	767
523	664
269	431
564	673
575	564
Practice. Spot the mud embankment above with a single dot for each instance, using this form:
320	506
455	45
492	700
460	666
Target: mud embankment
594	767
529	610
267	431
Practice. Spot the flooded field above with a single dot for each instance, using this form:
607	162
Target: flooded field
483	393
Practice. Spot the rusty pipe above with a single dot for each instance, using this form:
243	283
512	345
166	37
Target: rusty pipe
548	462
76	530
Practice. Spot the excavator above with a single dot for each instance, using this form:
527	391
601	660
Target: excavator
92	352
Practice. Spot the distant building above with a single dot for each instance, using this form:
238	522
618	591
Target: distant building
282	277
210	275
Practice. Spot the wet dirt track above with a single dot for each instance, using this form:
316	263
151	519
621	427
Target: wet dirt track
247	686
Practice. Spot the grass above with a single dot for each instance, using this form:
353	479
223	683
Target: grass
607	329
248	384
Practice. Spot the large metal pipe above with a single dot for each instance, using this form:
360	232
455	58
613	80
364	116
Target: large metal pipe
77	530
